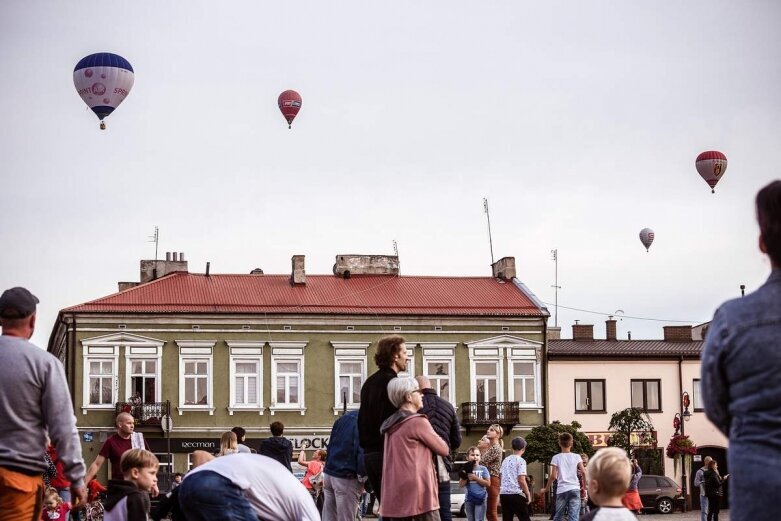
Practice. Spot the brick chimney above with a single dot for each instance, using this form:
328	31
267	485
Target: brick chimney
504	268
154	269
610	329
554	333
677	333
582	332
298	277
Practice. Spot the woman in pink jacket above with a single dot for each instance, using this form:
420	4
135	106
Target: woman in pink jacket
409	484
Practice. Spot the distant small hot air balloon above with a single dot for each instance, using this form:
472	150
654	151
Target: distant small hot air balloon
103	81
647	237
711	165
289	104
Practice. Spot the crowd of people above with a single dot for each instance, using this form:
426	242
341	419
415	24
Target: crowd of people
397	445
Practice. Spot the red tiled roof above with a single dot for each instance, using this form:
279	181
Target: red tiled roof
622	348
366	294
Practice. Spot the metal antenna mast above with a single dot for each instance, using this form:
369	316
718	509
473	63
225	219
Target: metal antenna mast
555	257
490	240
155	239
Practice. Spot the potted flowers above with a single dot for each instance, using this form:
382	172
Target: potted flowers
681	448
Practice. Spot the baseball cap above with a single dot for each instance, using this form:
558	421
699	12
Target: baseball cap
17	303
519	443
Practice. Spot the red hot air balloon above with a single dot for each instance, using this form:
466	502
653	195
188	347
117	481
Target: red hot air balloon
289	104
711	166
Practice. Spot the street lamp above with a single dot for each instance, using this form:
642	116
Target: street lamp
686	415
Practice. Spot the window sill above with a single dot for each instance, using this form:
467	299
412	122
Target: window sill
86	408
350	407
273	409
259	410
195	408
590	412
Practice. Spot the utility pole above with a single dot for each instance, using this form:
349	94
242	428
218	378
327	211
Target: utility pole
556	287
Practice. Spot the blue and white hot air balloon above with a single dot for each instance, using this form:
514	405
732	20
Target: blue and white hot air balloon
103	80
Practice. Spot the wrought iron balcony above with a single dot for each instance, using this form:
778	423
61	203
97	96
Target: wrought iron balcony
475	414
146	414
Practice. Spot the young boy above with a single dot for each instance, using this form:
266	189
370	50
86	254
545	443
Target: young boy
514	490
564	468
128	498
475	478
608	475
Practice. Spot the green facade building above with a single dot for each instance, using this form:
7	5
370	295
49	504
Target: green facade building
201	353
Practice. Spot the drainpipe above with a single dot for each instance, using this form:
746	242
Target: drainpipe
70	348
544	382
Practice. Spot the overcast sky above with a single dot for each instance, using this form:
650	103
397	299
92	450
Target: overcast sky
579	121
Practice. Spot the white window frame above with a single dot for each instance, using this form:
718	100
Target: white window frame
438	352
136	353
196	351
502	349
290	351
239	352
523	355
107	348
348	352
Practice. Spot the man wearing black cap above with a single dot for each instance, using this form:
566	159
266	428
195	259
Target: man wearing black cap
34	401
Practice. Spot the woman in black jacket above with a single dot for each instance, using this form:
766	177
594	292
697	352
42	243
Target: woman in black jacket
713	484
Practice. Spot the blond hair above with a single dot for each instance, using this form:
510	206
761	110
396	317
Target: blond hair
137	459
228	443
611	469
498	429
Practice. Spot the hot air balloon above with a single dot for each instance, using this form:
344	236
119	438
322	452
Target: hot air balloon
711	165
289	104
647	237
103	81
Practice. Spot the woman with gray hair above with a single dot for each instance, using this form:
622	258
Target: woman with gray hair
409	482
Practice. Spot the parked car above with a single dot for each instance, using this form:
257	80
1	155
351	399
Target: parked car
659	493
457	497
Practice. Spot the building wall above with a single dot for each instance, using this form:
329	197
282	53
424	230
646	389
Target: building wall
319	336
617	376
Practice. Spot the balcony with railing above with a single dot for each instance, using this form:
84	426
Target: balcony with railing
146	414
478	414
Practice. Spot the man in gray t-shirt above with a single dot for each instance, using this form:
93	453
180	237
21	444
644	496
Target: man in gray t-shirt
35	401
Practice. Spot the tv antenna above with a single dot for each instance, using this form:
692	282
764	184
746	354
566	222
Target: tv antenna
155	239
556	287
490	240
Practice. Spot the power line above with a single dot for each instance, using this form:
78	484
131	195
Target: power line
627	316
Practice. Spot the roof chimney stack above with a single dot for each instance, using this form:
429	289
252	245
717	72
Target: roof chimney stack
154	269
582	332
677	333
610	329
504	268
298	277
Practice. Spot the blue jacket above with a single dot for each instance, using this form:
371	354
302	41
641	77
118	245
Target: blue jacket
741	367
741	391
345	456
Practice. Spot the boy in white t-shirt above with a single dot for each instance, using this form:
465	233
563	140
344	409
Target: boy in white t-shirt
514	491
564	468
608	475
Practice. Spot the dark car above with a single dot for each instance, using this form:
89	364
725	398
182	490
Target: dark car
659	493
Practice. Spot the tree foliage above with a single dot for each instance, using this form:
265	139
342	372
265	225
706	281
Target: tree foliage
543	441
627	422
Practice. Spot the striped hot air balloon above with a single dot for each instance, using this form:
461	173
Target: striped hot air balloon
103	80
646	237
289	104
711	165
